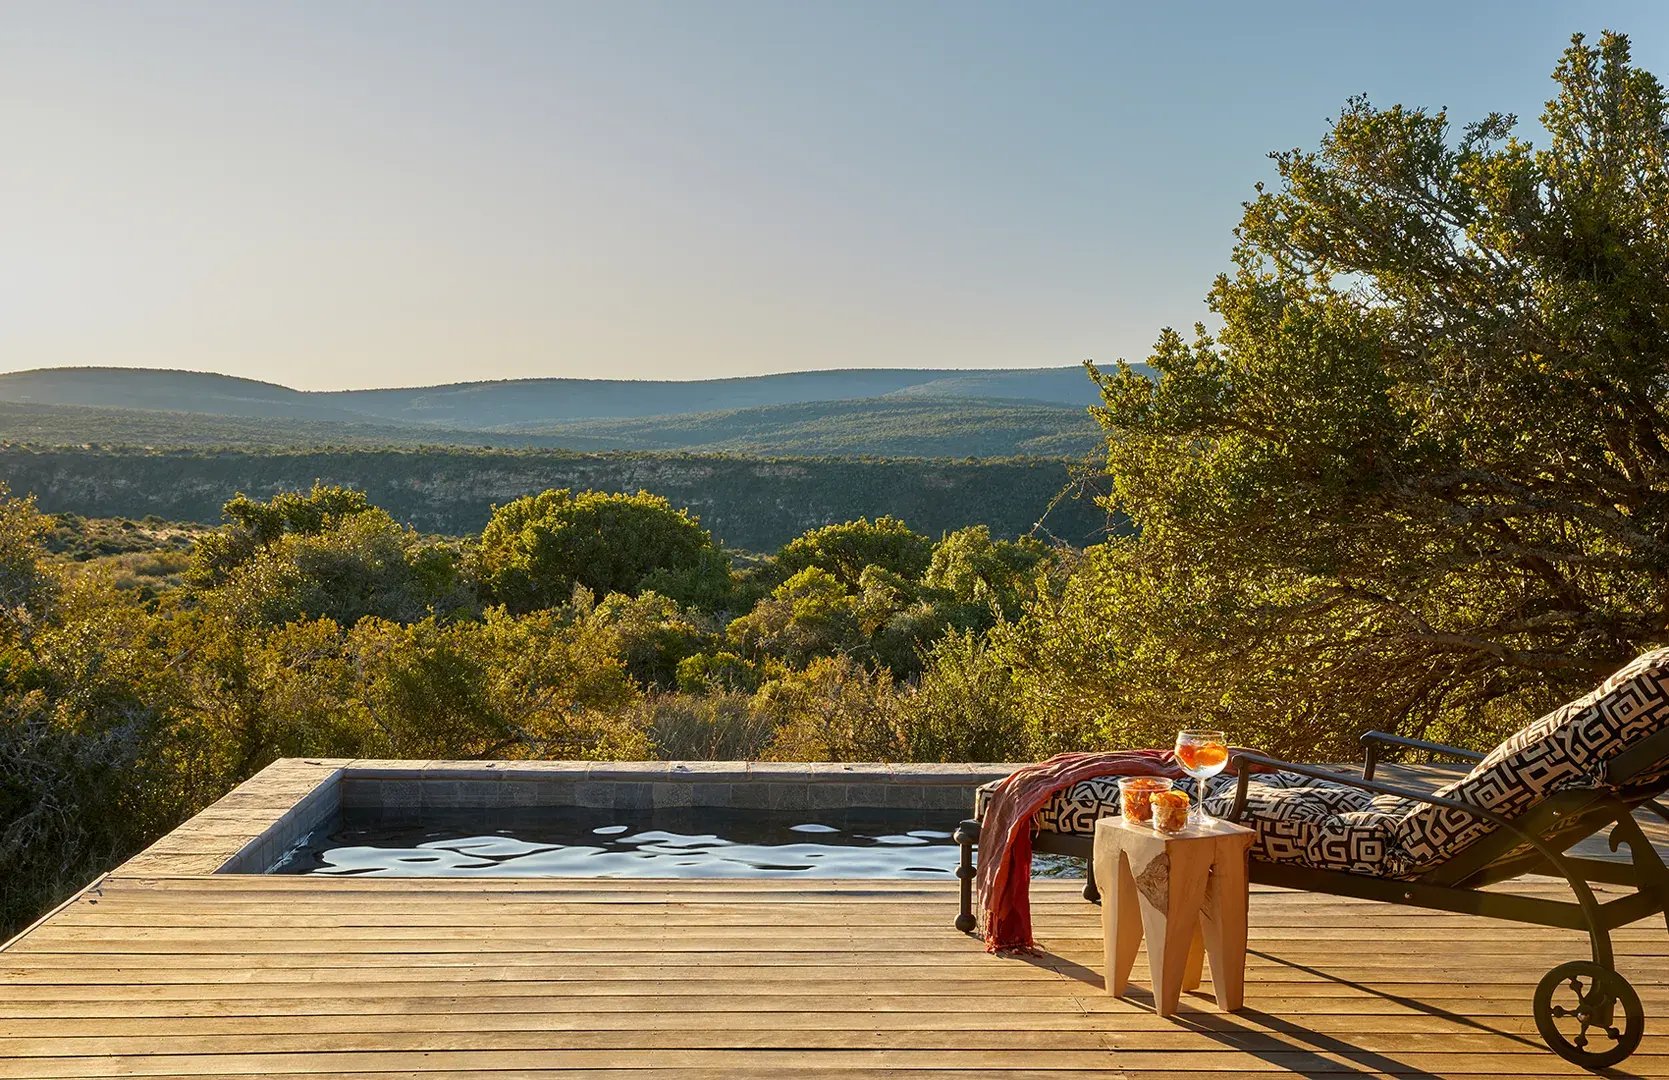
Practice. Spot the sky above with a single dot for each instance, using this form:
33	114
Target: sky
334	195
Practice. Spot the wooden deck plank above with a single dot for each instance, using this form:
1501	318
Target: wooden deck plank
276	976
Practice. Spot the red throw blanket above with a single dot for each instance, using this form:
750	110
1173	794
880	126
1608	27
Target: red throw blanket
1004	877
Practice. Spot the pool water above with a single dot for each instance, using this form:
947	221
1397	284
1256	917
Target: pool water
574	842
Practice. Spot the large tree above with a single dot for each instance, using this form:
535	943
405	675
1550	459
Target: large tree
1420	475
535	550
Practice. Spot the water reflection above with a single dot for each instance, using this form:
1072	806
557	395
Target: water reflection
574	842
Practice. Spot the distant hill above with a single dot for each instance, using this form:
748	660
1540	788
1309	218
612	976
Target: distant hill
178	391
521	401
900	426
870	427
895	413
524	401
82	425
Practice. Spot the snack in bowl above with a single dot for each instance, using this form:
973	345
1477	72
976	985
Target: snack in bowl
1170	810
1134	792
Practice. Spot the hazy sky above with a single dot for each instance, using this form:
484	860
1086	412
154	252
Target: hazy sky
378	194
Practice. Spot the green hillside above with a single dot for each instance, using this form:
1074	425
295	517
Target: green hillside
888	427
749	502
524	401
182	391
479	405
78	425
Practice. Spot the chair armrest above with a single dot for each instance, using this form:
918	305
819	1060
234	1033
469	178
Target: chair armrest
1373	740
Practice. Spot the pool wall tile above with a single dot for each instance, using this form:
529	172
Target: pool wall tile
712	794
869	794
948	797
633	796
440	794
400	793
828	796
594	794
672	794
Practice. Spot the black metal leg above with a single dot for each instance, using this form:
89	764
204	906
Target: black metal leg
965	835
1091	893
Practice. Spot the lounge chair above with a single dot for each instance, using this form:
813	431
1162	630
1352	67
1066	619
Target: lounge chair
1582	769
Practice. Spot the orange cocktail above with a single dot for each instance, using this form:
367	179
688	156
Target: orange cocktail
1202	753
1208	758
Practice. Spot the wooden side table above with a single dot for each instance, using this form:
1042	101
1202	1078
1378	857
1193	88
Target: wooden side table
1177	888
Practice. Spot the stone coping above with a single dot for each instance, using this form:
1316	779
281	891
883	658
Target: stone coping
249	828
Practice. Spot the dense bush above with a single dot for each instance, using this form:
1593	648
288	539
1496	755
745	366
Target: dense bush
536	550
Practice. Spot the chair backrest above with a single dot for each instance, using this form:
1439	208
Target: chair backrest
1571	747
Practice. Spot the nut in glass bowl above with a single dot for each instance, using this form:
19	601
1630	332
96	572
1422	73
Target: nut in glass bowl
1134	795
1170	810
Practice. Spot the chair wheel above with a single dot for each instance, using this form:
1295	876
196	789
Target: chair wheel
1576	1012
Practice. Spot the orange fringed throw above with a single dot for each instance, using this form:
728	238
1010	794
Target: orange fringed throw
1004	878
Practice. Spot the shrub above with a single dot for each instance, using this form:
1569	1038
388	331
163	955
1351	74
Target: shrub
834	710
845	551
965	707
534	551
714	726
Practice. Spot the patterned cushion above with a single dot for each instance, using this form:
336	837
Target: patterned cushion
1297	818
1567	748
1319	823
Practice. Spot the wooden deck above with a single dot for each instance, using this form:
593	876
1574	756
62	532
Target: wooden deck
227	975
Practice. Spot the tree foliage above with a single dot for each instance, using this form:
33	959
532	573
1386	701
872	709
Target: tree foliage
535	550
1420	477
844	551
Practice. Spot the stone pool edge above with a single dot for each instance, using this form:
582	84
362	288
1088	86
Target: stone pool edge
251	826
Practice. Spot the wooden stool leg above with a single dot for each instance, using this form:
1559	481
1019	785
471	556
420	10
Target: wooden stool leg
1224	922
1121	919
1171	916
1194	970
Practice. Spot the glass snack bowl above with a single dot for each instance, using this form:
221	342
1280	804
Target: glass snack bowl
1135	796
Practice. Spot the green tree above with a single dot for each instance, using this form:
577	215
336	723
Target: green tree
845	551
327	554
650	634
808	616
1420	477
253	526
971	568
534	551
965	707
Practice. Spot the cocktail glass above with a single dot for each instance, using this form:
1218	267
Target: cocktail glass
1202	753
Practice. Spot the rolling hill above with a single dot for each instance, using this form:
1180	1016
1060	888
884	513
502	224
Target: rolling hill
885	427
178	391
894	412
894	426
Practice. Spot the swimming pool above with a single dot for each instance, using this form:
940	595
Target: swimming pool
704	842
